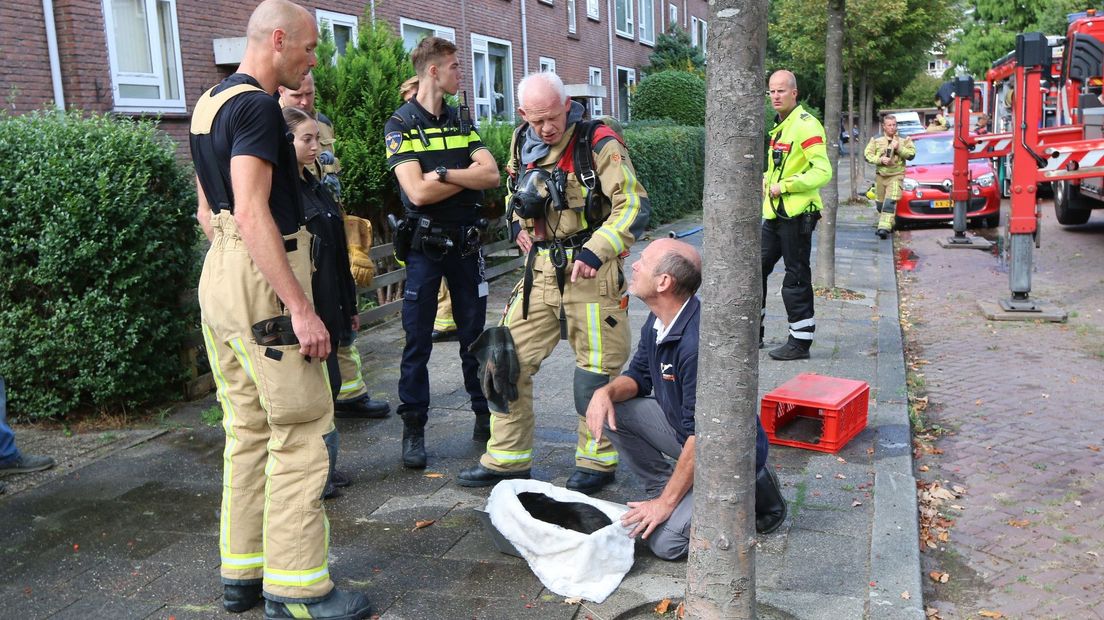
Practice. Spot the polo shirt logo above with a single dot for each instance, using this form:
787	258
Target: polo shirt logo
665	371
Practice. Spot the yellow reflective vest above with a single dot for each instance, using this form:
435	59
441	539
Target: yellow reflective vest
798	161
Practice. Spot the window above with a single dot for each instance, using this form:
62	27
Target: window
595	79
492	75
647	21
698	32
572	26
413	31
672	16
592	9
623	16
547	64
342	29
626	80
144	54
703	37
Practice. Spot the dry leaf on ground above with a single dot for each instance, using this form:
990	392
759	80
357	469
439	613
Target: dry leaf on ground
424	523
985	613
663	605
1019	522
939	577
905	595
434	475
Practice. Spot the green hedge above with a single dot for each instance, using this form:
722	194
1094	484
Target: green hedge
677	95
670	162
97	228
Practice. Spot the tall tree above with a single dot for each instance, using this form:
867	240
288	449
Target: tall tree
720	579
989	31
674	50
833	101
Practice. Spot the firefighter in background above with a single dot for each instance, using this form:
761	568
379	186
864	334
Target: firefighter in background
888	152
574	284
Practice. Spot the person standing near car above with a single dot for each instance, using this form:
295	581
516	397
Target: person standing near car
797	168
888	152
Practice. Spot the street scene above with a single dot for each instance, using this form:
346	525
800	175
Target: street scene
380	310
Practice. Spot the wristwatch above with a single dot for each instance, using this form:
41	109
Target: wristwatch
442	173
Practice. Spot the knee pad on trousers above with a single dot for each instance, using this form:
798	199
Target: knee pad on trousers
585	384
889	205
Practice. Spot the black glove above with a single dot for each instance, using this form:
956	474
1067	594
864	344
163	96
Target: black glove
499	368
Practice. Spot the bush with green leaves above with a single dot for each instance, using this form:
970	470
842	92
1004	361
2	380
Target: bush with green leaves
674	50
98	231
677	95
670	163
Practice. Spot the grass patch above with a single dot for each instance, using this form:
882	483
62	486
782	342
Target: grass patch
212	416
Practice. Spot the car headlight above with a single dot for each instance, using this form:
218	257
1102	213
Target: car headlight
909	184
986	180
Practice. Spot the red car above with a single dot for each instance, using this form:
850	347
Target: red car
926	189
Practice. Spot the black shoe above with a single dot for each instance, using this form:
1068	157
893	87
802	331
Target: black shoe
481	432
239	598
361	407
340	479
883	233
480	476
789	351
413	448
331	492
439	336
589	482
337	605
770	506
761	345
26	464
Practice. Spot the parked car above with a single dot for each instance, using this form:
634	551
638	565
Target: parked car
908	123
926	189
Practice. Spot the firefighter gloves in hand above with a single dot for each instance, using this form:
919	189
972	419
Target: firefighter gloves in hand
358	232
499	368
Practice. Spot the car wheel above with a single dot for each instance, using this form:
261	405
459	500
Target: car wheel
990	221
1067	204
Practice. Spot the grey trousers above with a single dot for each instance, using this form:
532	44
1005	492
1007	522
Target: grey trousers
643	437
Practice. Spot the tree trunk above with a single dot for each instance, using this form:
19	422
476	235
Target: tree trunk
853	152
720	579
865	106
833	99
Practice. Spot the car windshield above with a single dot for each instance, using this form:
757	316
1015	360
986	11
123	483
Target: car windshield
932	151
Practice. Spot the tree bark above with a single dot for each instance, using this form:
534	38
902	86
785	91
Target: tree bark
833	100
721	567
853	152
865	105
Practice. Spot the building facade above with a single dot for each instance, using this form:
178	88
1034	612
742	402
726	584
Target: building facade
154	58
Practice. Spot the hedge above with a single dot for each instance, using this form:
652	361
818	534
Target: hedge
670	163
677	95
97	228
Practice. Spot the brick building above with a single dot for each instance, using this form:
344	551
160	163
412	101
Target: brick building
156	57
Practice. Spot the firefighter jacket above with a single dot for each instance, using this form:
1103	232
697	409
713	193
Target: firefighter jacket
798	162
625	206
879	146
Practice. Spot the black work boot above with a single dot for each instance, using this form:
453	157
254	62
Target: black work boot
770	506
363	406
480	476
589	481
239	598
793	350
337	605
413	441
481	432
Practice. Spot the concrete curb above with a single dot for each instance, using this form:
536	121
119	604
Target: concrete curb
895	536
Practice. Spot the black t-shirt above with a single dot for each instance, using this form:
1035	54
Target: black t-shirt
443	145
250	124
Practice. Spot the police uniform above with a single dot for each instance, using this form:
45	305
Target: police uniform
276	403
591	313
888	177
798	163
445	243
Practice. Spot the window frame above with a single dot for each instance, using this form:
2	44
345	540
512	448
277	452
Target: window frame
672	15
650	12
545	61
594	10
630	33
327	19
572	18
438	31
596	107
119	78
626	114
480	43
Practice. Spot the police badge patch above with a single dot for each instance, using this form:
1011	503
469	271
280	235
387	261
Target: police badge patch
394	141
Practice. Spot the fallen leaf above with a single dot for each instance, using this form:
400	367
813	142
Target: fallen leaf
681	611
924	468
960	490
939	577
944	536
841	459
856	503
985	613
905	595
424	523
870	450
931	612
978	401
1019	522
434	475
1094	448
1077	503
575	600
841	477
663	605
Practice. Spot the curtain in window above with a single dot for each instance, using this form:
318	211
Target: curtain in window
132	36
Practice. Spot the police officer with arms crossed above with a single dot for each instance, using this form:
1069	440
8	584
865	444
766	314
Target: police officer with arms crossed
888	152
442	168
646	429
797	168
264	340
574	284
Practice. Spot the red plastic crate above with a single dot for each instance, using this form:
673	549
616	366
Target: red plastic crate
838	405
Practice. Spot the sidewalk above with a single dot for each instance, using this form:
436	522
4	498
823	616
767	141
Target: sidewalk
134	534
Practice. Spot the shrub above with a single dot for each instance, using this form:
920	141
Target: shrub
97	229
677	95
670	163
496	136
674	50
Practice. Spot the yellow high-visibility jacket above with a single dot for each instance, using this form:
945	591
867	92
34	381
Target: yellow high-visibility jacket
798	141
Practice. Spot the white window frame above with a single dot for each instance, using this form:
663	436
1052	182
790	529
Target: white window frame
326	21
596	108
696	37
672	15
593	11
615	91
438	31
547	64
572	17
647	14
131	104
480	44
548	2
629	23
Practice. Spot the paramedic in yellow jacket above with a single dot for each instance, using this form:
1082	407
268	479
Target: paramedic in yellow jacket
574	286
797	167
888	152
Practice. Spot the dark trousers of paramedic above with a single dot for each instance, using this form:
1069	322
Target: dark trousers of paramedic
423	279
783	239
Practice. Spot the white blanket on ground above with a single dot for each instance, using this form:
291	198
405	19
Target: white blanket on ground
567	562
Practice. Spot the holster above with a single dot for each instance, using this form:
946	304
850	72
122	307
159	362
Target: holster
808	222
403	236
276	331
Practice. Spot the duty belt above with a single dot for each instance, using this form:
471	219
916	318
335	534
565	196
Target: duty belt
557	252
